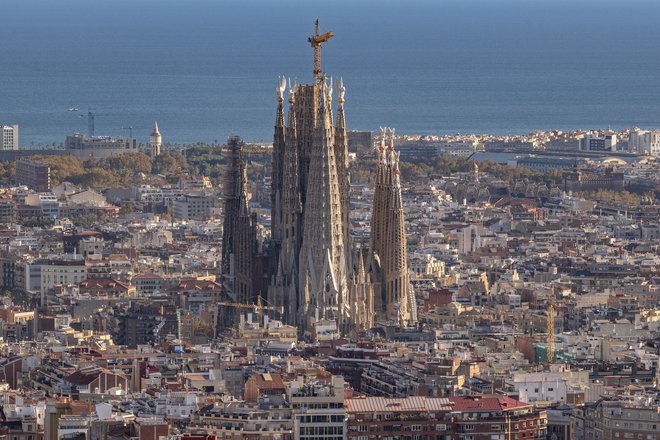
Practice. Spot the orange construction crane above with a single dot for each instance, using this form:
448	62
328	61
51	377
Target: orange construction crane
316	40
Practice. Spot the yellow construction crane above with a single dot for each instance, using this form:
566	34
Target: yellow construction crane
258	308
551	325
316	40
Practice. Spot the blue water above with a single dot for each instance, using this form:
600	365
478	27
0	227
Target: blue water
206	69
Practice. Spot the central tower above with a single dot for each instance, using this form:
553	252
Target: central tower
310	205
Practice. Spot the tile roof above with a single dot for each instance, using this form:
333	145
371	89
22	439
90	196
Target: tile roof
267	381
386	404
485	403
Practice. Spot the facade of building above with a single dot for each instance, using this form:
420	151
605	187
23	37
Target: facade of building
98	147
411	150
583	181
8	137
617	419
489	417
592	142
193	206
318	410
35	175
645	142
43	205
61	272
413	417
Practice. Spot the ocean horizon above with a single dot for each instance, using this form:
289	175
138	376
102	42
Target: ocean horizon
207	69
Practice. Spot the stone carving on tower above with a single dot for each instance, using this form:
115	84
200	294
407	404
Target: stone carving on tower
323	291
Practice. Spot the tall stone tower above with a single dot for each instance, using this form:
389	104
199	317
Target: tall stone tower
310	187
278	165
239	234
393	298
155	141
323	266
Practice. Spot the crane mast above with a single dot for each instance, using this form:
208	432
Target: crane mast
315	41
551	325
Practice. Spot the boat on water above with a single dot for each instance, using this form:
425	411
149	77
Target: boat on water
73	109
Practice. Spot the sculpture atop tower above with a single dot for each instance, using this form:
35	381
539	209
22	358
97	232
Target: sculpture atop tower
155	141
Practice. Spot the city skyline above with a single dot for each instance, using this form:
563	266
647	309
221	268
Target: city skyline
460	66
330	283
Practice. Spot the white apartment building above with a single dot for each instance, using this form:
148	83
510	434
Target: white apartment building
62	272
50	206
426	265
8	137
318	409
456	149
645	142
540	387
593	142
193	207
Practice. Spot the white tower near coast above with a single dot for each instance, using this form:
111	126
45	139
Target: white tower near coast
155	141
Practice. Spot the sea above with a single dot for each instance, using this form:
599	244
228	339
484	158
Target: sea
207	69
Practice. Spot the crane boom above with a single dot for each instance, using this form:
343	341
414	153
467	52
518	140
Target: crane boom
250	306
315	41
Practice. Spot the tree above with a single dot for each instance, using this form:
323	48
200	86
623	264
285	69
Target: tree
128	164
61	167
170	163
7	172
96	178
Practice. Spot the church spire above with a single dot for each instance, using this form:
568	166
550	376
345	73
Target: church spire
341	160
397	284
322	257
278	162
239	237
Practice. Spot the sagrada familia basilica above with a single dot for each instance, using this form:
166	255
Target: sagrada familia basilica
311	270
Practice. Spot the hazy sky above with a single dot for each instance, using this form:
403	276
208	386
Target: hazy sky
572	62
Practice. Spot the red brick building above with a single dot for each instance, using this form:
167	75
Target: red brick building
492	417
381	417
457	418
